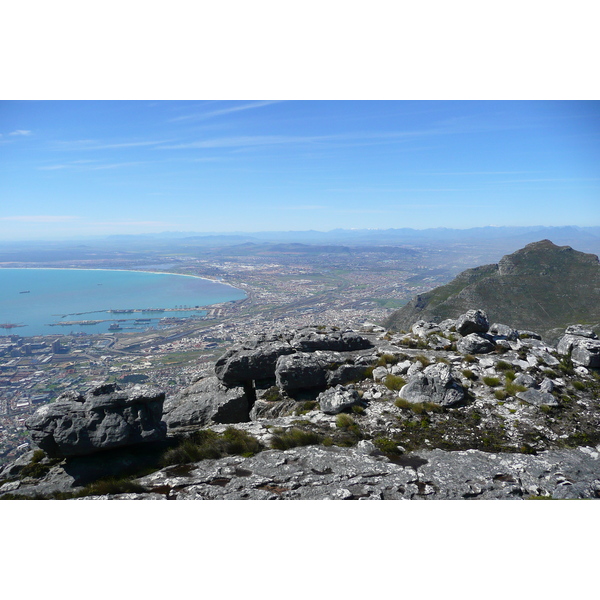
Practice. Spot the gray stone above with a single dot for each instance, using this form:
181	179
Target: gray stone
581	331
337	399
104	418
301	371
547	385
207	401
424	328
475	343
263	409
401	367
503	332
309	339
346	373
526	334
473	321
380	373
254	359
435	384
525	380
538	398
584	351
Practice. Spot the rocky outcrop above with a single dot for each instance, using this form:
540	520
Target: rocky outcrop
473	321
317	473
254	359
335	400
206	401
582	345
104	418
475	343
421	422
436	385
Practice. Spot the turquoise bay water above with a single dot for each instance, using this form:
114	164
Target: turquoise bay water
55	295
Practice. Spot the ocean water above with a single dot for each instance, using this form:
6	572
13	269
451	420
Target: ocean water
41	299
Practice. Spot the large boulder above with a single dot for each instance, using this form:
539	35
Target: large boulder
538	398
424	328
335	400
254	359
473	321
104	418
304	371
310	339
475	343
435	384
206	401
582	344
503	332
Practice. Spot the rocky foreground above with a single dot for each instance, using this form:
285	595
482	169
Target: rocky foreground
453	410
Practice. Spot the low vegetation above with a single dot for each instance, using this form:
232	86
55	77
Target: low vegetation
284	440
206	444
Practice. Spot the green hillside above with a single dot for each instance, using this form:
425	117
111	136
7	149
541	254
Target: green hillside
542	287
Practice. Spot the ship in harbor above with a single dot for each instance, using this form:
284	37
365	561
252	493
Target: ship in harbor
114	327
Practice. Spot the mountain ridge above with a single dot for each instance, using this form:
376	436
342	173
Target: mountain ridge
541	286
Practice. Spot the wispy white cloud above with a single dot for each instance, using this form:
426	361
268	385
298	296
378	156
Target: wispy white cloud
303	207
199	116
99	145
20	132
40	218
89	165
249	141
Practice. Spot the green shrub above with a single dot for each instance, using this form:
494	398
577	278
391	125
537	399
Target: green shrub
469	374
418	408
502	365
386	445
491	381
394	382
500	394
469	358
357	409
284	440
111	485
509	375
206	444
273	394
387	359
550	373
512	389
423	360
578	385
305	407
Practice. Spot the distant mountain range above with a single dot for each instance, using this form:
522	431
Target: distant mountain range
542	286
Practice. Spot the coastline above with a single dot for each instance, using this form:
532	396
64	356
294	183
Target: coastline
204	309
120	271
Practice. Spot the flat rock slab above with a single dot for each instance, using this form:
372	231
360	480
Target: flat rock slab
321	473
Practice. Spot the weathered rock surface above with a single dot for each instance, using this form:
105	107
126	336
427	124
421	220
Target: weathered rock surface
335	400
473	321
207	401
475	343
254	359
317	473
104	418
435	384
310	339
506	443
584	349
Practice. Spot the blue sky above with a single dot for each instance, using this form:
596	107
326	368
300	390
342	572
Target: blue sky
75	168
